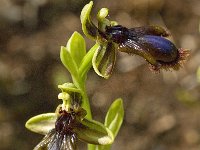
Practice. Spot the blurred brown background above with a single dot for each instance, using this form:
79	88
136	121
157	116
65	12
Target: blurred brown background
161	110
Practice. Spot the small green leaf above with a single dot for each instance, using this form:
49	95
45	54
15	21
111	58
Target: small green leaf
104	60
89	29
94	132
76	47
114	116
87	60
68	61
42	123
69	87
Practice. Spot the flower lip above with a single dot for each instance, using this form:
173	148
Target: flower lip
175	65
62	136
116	33
164	52
148	42
160	48
65	122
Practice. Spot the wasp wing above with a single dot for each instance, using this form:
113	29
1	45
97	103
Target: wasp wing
43	145
57	141
149	30
63	142
69	143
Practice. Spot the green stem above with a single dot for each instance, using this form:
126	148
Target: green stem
80	80
80	84
86	104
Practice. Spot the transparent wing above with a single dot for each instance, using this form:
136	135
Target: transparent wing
43	145
69	143
149	30
55	141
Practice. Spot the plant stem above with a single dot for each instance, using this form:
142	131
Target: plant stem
80	84
86	104
80	80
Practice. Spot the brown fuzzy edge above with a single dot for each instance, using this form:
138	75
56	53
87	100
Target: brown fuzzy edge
175	65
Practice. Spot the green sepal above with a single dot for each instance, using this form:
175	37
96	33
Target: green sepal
89	29
76	47
69	87
93	132
104	59
42	123
103	13
113	121
68	61
102	21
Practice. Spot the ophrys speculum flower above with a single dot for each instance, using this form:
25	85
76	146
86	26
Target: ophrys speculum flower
63	128
149	42
69	123
62	137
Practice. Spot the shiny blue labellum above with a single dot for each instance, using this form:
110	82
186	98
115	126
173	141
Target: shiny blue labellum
147	42
160	48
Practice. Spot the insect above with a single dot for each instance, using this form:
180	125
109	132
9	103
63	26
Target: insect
62	136
148	42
